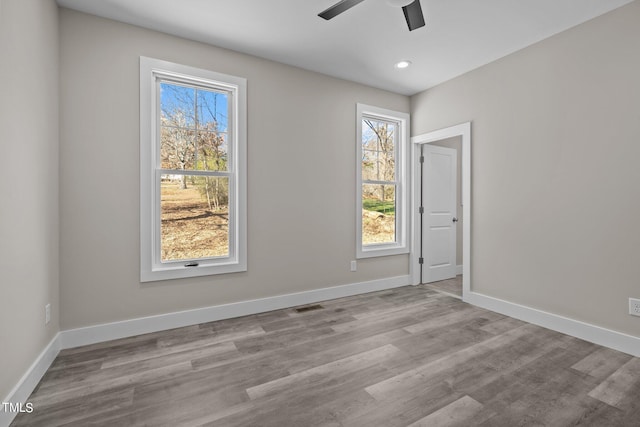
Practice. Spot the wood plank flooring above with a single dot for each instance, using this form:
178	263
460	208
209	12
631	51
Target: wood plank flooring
452	287
404	357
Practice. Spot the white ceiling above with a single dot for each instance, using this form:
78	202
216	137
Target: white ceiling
365	42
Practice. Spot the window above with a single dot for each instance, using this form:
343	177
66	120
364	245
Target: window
192	172
382	193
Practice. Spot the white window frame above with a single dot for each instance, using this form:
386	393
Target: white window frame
152	71
402	151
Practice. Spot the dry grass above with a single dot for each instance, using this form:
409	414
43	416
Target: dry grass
189	229
378	227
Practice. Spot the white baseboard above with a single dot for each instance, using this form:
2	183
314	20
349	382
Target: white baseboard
30	379
459	269
105	332
144	325
588	332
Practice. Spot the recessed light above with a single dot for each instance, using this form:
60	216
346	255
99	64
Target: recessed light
403	64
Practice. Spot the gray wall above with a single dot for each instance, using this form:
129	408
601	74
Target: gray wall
555	177
301	179
29	184
555	149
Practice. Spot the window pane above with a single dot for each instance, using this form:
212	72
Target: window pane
212	151
369	137
213	108
177	105
387	165
378	150
177	148
369	164
194	217
378	214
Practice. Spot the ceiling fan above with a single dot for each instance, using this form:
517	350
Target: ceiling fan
412	11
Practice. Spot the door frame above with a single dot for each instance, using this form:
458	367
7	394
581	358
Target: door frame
463	130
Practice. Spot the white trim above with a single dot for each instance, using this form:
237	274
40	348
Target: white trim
586	331
105	332
150	266
459	270
126	328
30	379
403	225
463	130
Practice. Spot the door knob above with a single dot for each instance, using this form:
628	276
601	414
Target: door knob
454	219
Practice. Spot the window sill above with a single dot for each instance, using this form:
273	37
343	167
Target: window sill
182	272
381	250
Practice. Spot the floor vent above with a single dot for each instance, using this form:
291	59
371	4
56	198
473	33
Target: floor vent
309	308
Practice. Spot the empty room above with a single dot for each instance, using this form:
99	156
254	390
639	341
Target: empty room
320	213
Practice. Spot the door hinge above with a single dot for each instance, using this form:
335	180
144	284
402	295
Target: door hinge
420	260
421	210
421	159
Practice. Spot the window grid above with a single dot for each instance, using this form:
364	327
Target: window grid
382	194
212	157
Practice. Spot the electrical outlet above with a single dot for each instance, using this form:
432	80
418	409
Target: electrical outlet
634	307
354	266
47	314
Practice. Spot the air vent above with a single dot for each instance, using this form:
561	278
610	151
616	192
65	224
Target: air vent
309	308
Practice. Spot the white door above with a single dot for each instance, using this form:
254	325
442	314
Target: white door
439	220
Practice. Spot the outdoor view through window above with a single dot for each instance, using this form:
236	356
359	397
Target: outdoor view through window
194	188
379	181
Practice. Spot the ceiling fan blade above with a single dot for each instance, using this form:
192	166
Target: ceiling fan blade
338	8
413	15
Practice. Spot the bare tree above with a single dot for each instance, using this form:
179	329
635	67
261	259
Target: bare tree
188	142
382	166
213	157
192	139
178	146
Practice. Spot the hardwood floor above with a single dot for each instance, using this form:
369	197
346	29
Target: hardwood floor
404	357
452	287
